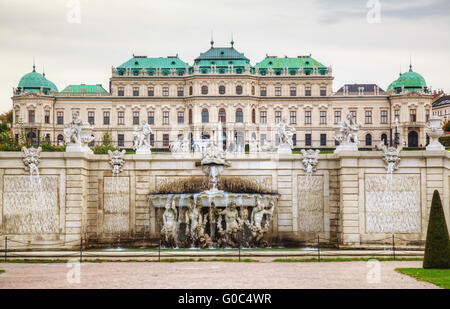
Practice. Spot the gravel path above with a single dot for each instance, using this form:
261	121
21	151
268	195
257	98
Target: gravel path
211	275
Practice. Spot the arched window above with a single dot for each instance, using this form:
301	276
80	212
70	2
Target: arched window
368	140
190	90
239	115
222	115
238	89
221	89
205	115
204	89
190	116
253	116
384	139
253	90
60	139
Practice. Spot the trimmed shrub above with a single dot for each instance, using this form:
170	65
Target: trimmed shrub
445	140
50	148
437	245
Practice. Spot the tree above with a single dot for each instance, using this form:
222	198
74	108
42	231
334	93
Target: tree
446	126
437	244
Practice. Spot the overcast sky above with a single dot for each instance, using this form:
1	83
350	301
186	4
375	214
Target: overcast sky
81	48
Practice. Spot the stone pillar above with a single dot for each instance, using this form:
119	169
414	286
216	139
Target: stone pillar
349	198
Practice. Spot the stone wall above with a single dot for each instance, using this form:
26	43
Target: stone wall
349	201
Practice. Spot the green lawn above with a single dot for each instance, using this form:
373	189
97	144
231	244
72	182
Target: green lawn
350	259
439	277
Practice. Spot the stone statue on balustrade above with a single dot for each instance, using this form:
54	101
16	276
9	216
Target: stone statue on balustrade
141	137
285	135
78	135
347	134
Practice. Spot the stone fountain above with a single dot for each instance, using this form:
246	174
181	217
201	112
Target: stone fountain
391	157
31	159
116	160
214	217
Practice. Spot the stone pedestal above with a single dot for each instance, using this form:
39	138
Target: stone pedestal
285	149
435	145
144	150
78	148
346	147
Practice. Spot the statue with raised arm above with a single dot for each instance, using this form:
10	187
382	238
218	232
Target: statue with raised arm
347	134
285	135
141	137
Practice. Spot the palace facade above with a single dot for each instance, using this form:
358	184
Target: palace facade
178	99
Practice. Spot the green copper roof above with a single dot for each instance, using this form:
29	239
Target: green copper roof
34	81
82	88
221	53
299	62
410	81
142	62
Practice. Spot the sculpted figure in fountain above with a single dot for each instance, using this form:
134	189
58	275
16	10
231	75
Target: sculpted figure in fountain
141	137
347	134
213	161
391	157
233	225
285	136
434	130
253	145
310	160
116	160
78	135
31	159
169	229
258	215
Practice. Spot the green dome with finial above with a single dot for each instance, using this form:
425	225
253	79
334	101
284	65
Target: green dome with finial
409	81
34	81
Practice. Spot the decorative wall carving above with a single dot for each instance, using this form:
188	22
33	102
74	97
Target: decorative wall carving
392	203
30	205
310	203
116	204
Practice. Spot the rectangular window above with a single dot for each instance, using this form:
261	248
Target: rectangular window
293	91
384	116
307	117
17	116
337	116
135	91
31	116
180	117
263	117
323	91
135	118
165	91
323	117
294	139
293	117
180	91
120	140
151	91
323	139
60	117
165	139
368	117
120	91
278	91
263	91
412	115
427	115
307	139
277	116
397	115
121	117
308	91
106	118
91	117
152	139
353	115
151	118
165	118
47	117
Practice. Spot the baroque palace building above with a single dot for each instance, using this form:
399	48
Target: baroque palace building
178	99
